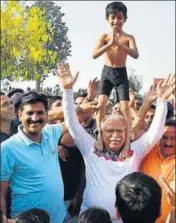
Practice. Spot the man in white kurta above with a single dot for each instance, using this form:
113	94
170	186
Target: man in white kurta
102	173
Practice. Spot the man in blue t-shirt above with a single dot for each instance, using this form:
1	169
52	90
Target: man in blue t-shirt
29	162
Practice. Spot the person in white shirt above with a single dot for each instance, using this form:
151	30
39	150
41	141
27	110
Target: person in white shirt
103	168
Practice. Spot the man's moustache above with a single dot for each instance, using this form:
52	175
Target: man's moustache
35	122
168	146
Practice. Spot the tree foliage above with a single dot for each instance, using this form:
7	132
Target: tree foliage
28	41
24	34
60	43
135	83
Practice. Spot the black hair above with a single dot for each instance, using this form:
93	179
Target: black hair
17	90
52	99
34	215
94	215
2	93
153	107
84	95
170	122
138	198
113	7
170	110
33	97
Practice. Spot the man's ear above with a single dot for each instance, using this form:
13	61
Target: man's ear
19	114
117	214
125	19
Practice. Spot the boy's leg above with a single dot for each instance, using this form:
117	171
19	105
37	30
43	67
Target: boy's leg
124	105
104	92
102	102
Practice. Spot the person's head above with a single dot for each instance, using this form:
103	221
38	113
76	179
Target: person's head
94	215
116	15
167	142
138	198
33	112
150	115
16	90
170	112
54	101
113	129
116	109
34	215
138	103
7	108
16	101
109	107
80	99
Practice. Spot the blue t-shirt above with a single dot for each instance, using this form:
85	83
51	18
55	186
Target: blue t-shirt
34	173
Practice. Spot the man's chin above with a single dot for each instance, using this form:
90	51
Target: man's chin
34	132
114	149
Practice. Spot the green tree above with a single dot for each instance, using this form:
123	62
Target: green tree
135	81
60	39
60	43
25	32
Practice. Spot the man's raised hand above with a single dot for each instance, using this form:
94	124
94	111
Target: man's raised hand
166	87
66	80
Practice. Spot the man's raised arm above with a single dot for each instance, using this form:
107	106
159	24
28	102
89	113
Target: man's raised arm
81	138
145	143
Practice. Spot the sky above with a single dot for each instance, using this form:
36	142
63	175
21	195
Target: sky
152	23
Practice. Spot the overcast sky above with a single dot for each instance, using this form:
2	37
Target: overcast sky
152	23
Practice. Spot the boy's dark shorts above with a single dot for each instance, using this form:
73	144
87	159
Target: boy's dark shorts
115	77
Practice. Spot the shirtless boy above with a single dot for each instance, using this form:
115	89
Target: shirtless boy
116	45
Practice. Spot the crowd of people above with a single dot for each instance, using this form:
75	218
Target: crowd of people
85	159
49	160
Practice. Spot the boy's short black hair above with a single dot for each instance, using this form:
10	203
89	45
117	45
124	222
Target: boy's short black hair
114	7
138	198
34	215
33	97
94	215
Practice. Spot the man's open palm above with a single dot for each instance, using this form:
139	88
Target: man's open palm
66	80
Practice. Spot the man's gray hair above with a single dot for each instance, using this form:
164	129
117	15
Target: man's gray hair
112	116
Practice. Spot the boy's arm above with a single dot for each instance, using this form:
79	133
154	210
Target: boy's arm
131	50
101	47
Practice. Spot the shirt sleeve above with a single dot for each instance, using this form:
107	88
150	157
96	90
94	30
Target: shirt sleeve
54	131
82	139
7	162
145	143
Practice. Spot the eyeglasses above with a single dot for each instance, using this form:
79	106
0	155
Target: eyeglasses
112	131
170	138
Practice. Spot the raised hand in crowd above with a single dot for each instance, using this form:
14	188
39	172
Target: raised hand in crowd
66	80
151	95
166	87
92	90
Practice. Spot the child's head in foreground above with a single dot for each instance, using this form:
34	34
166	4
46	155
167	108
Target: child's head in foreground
94	215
